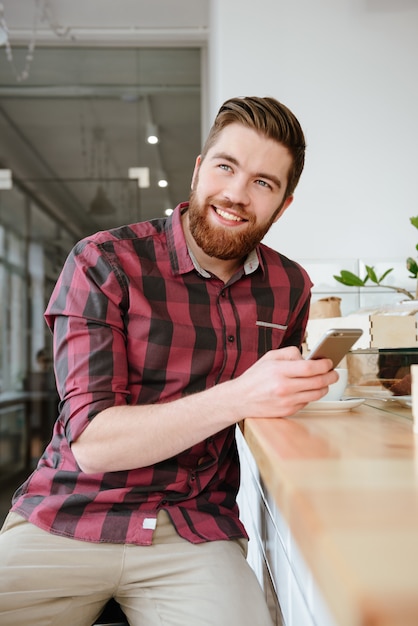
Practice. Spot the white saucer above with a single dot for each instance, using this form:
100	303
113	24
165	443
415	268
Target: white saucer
403	400
346	404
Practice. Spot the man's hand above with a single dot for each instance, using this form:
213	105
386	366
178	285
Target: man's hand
281	383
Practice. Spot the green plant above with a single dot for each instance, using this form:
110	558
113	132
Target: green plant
352	280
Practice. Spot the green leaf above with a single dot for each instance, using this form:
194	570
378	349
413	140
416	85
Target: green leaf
371	273
383	276
412	266
350	279
414	221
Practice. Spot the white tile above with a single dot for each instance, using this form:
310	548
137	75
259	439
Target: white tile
322	271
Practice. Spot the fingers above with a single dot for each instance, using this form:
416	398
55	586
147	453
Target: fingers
292	355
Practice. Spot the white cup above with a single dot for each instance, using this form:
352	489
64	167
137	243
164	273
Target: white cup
336	390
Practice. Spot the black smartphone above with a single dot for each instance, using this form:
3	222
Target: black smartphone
335	344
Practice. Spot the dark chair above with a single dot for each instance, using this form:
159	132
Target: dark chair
112	615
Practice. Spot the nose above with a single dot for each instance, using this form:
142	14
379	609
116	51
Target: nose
236	190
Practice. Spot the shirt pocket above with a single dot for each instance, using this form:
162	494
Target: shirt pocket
269	335
262	338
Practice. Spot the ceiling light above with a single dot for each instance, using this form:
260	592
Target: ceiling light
162	180
152	133
6	179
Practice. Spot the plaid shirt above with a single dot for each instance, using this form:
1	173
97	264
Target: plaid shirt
136	321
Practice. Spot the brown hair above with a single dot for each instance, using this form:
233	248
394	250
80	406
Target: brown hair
269	117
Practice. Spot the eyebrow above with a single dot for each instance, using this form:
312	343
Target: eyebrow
227	157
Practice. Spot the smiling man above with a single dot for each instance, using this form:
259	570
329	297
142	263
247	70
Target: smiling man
238	192
166	335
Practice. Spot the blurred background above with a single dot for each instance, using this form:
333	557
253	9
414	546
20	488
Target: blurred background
100	125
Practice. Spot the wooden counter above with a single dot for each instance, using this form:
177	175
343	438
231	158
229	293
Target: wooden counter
347	486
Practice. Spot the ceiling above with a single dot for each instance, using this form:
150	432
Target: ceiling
101	72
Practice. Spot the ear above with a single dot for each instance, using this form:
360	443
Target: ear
196	169
283	208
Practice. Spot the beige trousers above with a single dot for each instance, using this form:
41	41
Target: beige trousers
46	580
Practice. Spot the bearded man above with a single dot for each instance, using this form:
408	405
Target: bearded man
167	334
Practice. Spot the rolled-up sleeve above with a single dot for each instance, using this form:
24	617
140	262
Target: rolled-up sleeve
86	316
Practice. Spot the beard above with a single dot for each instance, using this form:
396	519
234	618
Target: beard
221	242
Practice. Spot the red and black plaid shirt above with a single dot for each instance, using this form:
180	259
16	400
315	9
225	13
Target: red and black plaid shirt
136	322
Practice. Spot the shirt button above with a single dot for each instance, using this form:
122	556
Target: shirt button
231	338
164	502
193	476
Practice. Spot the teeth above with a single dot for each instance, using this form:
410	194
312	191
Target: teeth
228	216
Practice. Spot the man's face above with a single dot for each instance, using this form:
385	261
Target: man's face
238	192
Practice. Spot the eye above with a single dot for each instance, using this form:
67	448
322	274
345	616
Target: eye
263	183
224	166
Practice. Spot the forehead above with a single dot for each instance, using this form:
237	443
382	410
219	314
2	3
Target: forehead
251	149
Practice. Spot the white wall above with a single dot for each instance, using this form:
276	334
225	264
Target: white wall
348	69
